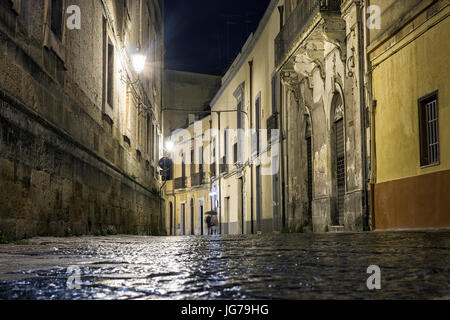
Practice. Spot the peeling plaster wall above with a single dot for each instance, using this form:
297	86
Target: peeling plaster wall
311	91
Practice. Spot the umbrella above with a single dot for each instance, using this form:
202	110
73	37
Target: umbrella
213	213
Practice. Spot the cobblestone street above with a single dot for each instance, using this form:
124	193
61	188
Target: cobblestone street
285	266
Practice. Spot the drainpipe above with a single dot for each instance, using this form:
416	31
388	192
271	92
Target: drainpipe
361	17
280	121
250	64
283	178
220	177
140	23
372	104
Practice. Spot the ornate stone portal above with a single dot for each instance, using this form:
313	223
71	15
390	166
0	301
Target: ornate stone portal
328	138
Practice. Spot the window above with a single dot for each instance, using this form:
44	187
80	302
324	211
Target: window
192	161
183	167
139	130
56	23
110	76
275	93
129	105
149	134
225	144
258	123
200	159
429	130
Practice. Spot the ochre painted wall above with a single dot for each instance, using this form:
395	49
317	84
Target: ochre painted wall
415	65
420	68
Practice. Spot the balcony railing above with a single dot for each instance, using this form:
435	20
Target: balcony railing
179	183
299	18
197	179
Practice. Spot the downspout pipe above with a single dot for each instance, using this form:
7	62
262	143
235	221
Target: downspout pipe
250	64
372	104
280	120
220	176
361	18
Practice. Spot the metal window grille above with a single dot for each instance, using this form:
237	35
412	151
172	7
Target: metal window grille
429	131
432	132
310	175
340	168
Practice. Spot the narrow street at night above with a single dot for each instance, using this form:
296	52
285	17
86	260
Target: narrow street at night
225	158
414	265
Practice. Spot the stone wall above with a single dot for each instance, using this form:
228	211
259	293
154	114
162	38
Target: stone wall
65	165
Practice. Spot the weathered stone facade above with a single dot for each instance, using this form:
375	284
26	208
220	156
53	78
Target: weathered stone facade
77	150
320	66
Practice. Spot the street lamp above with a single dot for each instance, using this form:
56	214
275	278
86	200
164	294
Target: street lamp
169	146
138	61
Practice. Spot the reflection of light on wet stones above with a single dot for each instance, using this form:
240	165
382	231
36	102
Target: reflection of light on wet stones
240	267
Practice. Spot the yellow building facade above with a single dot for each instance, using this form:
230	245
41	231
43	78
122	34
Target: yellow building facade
410	70
187	196
333	117
247	178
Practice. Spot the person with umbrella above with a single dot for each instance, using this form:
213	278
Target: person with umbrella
211	222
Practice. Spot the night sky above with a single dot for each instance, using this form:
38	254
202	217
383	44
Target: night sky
205	36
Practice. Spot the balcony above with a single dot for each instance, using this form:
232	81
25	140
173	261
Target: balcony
304	13
179	183
197	179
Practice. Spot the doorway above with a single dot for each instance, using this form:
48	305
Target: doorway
226	229
340	170
276	194
172	224
241	206
339	178
192	217
201	210
258	200
183	218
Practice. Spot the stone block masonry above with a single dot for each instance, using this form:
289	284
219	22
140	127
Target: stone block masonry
65	168
51	185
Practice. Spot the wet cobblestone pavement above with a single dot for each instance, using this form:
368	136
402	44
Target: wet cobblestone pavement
414	265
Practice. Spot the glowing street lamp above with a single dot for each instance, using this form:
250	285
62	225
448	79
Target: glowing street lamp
169	146
138	61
